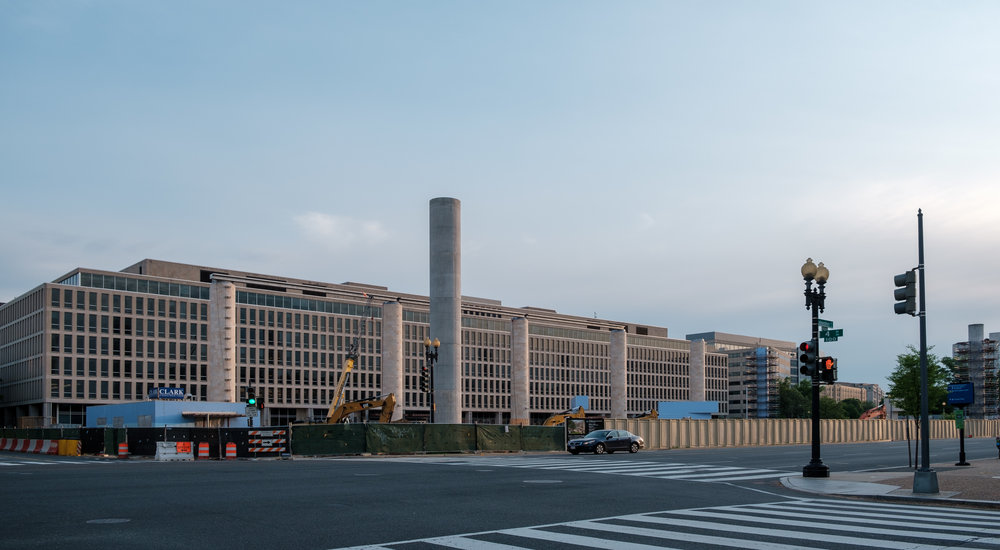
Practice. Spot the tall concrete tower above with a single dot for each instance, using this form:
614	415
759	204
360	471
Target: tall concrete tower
446	306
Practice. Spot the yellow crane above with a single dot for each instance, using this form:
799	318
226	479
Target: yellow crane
559	418
352	359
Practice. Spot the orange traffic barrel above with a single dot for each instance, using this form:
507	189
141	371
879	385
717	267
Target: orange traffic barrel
202	450
230	451
123	450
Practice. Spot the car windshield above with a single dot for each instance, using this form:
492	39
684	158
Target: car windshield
598	434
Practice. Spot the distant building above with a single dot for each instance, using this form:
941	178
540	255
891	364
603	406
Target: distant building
867	393
756	368
95	337
976	362
839	392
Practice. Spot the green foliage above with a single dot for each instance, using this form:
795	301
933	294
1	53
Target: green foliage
796	402
853	408
792	402
829	408
904	383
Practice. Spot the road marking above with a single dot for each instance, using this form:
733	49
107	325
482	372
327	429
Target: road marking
659	470
783	525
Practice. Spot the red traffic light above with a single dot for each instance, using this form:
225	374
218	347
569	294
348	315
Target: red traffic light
805	346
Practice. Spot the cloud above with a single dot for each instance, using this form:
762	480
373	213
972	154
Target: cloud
338	232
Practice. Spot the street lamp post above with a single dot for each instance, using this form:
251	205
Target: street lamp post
815	301
430	357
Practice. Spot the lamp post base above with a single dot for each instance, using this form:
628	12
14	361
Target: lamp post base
925	481
816	469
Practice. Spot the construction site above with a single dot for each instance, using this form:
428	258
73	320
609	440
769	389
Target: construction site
976	362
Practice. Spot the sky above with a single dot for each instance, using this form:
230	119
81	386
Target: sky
670	163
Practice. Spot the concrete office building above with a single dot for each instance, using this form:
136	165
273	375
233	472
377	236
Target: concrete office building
99	337
756	367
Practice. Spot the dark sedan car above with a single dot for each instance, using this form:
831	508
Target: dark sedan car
606	441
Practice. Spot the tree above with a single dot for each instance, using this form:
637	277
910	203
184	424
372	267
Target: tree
791	401
904	383
830	408
853	408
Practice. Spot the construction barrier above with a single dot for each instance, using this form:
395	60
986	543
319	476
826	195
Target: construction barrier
203	451
690	433
123	450
70	447
230	451
173	450
340	439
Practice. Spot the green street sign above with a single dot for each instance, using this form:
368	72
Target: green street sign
830	338
825	323
836	333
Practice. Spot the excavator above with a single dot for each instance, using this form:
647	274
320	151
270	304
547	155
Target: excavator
386	402
651	415
871	414
557	419
340	409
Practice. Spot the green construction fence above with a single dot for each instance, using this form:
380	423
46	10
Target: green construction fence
345	439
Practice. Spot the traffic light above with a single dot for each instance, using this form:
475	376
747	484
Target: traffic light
251	397
425	379
905	293
807	357
827	369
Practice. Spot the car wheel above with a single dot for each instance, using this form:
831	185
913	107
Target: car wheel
574	452
599	449
634	448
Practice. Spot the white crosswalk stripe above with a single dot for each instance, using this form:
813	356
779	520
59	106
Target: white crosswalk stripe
35	462
786	525
659	470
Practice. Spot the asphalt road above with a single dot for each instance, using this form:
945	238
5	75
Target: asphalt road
62	502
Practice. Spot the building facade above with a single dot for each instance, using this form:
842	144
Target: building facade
96	337
756	368
976	362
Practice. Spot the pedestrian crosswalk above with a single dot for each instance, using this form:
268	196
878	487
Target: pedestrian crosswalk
7	462
785	525
660	470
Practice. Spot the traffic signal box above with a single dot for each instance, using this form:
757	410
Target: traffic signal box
425	379
827	367
251	397
807	357
905	293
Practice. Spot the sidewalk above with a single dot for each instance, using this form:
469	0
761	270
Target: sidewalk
977	484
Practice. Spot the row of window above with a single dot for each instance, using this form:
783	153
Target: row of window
128	326
127	347
115	368
114	389
118	303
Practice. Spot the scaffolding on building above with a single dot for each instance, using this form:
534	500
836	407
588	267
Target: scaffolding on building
761	378
976	362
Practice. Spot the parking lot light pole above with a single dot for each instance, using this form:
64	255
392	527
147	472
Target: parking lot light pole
815	301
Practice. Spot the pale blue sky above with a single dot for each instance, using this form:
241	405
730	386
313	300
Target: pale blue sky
669	163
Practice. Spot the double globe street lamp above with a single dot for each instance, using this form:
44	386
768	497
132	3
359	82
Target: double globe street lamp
427	372
815	301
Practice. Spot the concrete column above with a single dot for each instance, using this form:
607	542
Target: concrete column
446	307
222	374
392	355
618	351
696	391
520	379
